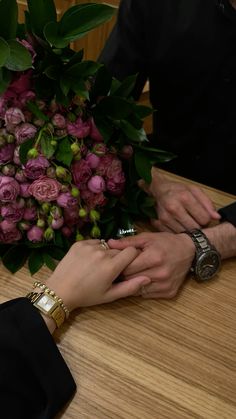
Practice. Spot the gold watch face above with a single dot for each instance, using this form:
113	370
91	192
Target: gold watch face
208	264
46	303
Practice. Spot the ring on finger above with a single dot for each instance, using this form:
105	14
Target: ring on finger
104	244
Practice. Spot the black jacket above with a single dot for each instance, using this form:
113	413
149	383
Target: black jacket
187	49
35	382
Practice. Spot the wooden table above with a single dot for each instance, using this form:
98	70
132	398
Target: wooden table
152	359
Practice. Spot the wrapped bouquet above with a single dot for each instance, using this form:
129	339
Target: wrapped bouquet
72	143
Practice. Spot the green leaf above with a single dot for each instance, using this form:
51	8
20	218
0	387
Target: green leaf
132	133
76	58
157	155
8	18
102	83
51	33
15	257
56	252
142	111
5	78
41	12
49	262
35	261
4	51
65	85
36	111
24	148
46	146
64	153
80	89
83	69
114	107
19	58
126	87
143	166
81	19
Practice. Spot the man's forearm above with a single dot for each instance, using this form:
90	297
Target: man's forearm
223	236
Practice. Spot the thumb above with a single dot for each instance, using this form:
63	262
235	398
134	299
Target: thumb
127	288
120	244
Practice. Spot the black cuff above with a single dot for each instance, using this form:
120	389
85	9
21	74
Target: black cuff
228	213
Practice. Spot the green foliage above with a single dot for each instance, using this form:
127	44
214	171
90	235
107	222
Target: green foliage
8	19
64	153
19	58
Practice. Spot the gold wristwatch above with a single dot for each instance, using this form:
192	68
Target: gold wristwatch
48	305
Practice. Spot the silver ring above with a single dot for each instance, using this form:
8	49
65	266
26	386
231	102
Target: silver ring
104	244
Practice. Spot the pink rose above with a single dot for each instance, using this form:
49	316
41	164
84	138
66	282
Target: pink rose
92	160
78	128
30	214
24	132
10	234
56	224
35	234
96	184
9	189
7	226
116	188
21	83
81	173
92	200
20	176
35	168
71	216
94	133
105	162
114	170
3	107
24	190
45	189
66	200
59	121
12	213
6	153
14	116
26	97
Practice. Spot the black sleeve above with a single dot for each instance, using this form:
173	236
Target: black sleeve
228	213
35	382
125	51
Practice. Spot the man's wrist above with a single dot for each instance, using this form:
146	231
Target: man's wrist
223	237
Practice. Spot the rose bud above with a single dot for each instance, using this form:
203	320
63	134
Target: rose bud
94	215
66	200
25	132
82	213
45	207
6	153
77	157
14	116
75	192
8	170
57	223
96	184
35	234
79	237
51	172
61	172
53	143
59	121
24	225
66	231
30	214
20	176
32	153
39	122
10	139
127	152
20	202
24	190
94	133
95	232
41	104
7	226
49	234
75	148
99	149
40	223
55	212
93	160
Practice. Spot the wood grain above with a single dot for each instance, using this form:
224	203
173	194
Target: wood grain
140	359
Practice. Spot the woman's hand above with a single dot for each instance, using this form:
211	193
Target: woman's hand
85	275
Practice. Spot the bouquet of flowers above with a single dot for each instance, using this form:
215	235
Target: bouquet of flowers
72	145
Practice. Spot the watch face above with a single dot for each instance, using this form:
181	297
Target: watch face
208	264
46	303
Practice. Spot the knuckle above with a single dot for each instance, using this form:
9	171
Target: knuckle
171	293
172	207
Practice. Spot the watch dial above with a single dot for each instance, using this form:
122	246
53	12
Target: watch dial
208	265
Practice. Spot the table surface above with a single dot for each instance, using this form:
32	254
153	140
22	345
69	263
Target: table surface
148	359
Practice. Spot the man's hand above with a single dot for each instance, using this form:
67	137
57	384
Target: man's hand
165	258
179	207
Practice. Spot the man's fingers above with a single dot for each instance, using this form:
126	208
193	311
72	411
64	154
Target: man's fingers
120	261
206	202
126	288
136	241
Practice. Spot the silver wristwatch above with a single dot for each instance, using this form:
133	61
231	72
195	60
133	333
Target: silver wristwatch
207	260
